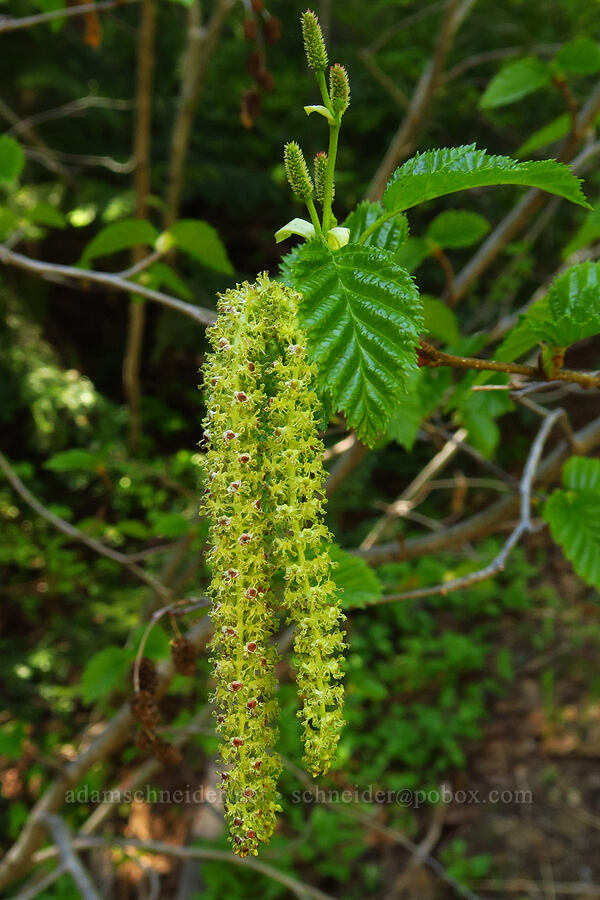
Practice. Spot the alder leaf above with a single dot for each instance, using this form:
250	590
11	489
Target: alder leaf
202	242
514	81
363	317
554	131
437	173
119	236
390	235
457	228
12	159
574	517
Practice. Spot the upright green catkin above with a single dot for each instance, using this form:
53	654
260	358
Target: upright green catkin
265	502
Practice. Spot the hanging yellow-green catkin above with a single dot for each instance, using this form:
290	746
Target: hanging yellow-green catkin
242	612
265	501
301	538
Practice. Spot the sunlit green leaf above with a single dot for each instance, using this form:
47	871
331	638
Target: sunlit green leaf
514	81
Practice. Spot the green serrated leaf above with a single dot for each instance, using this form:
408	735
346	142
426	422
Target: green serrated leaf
436	173
356	582
202	242
119	236
104	672
573	305
554	131
514	81
581	56
456	228
390	235
363	317
574	517
12	159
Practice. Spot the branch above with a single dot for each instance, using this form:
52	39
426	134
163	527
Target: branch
75	534
408	497
484	522
70	860
431	357
132	359
11	23
114	282
429	82
201	44
23	126
525	526
299	888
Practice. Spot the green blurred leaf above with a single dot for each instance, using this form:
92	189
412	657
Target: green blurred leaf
554	131
73	460
574	517
436	173
355	580
118	236
362	314
12	160
439	320
159	276
425	392
9	222
581	56
168	524
456	228
586	234
514	81
104	672
46	214
202	242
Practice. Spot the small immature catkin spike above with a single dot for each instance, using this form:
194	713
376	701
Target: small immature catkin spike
297	170
314	45
339	88
320	169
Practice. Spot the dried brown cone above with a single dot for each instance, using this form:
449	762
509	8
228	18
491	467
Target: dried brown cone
266	80
255	63
258	5
144	709
145	741
166	753
250	29
148	676
184	656
272	30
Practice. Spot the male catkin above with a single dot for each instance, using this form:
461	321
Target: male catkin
264	499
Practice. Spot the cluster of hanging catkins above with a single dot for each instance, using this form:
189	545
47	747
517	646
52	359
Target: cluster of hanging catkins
265	501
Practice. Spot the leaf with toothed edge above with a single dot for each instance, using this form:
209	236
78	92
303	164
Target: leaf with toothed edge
436	173
574	517
363	317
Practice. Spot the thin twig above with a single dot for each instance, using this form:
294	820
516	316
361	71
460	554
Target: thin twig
132	359
299	888
432	357
482	523
114	282
524	526
408	498
68	109
71	861
11	23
